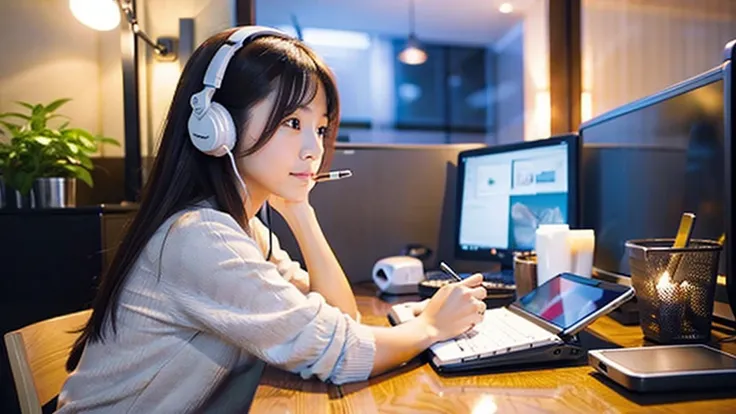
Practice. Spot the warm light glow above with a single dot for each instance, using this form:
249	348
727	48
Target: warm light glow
506	8
413	55
102	15
586	106
542	116
664	281
485	405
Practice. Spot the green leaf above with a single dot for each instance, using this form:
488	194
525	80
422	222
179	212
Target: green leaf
26	104
23	182
53	106
80	173
87	144
15	115
107	140
42	140
85	161
12	128
82	133
72	147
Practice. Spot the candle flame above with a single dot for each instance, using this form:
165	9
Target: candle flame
664	281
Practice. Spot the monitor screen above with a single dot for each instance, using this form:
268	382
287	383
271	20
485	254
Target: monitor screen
505	192
647	163
564	300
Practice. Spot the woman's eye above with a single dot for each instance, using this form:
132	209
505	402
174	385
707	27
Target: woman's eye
322	131
292	123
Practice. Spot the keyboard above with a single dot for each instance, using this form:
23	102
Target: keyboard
499	293
500	332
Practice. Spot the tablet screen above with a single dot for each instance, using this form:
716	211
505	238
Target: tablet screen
671	359
567	299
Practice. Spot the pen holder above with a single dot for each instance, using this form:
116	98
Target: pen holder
675	288
525	273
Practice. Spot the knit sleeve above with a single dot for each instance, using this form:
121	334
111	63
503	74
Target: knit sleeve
219	282
289	269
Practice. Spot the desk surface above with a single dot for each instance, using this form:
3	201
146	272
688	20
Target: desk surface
417	388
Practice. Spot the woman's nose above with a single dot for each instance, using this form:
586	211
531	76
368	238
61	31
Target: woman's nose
311	144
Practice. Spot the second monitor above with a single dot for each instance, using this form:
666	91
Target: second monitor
505	192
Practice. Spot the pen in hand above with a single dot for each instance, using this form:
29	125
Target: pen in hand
445	268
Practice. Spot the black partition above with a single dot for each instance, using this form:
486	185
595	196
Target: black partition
398	195
50	263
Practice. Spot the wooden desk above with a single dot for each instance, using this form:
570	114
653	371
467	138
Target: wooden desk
417	388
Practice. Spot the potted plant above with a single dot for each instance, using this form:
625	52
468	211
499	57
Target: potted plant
4	150
46	159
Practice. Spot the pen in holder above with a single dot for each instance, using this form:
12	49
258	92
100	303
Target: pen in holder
674	308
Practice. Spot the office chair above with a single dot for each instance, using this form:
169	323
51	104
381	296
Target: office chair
37	355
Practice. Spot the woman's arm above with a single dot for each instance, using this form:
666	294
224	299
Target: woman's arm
452	310
325	273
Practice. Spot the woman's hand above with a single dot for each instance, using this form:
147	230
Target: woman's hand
292	207
455	308
289	209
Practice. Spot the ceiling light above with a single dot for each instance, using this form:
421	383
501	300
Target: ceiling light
413	54
506	8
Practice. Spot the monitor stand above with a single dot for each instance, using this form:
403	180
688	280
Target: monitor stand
626	314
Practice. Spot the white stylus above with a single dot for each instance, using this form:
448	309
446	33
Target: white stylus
333	175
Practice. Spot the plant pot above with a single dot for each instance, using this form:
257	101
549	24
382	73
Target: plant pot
55	192
17	201
3	197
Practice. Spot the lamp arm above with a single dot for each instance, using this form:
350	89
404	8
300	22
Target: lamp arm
133	21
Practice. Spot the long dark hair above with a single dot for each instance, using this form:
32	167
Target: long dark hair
182	176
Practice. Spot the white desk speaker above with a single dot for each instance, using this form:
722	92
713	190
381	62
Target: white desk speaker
398	275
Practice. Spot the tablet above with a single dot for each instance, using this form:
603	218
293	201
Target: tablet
666	368
568	303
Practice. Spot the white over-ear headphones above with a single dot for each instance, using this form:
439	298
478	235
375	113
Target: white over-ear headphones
211	128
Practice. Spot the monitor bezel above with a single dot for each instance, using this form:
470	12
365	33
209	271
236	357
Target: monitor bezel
505	256
718	73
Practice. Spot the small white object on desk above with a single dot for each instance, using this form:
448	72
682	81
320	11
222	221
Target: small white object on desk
560	250
553	253
398	275
582	247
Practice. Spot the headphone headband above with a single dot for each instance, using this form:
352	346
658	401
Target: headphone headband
211	127
218	64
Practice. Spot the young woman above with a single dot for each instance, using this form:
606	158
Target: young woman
199	288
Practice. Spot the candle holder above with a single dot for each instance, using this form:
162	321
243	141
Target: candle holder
675	288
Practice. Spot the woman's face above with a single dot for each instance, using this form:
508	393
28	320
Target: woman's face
286	165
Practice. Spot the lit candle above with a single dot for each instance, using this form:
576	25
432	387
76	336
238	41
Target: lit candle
671	305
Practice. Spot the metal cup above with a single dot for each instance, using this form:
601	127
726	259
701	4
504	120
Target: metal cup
3	197
55	192
525	273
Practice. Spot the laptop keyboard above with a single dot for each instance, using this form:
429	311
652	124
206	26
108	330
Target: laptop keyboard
500	332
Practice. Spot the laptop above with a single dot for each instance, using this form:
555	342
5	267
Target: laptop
541	326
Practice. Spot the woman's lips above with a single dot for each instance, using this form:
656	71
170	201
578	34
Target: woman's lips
303	176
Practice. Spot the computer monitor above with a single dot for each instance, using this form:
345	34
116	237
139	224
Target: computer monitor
647	162
505	192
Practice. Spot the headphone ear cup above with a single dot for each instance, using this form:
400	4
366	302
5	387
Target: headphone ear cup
226	131
213	131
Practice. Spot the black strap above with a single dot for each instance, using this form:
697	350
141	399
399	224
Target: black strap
270	232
